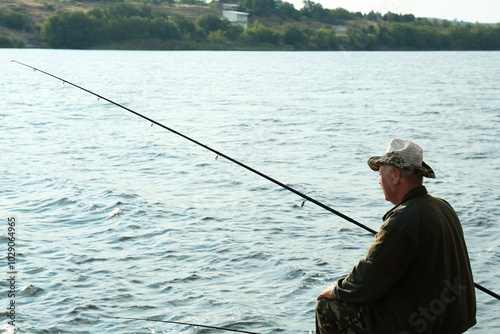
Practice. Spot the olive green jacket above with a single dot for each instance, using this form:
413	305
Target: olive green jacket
416	276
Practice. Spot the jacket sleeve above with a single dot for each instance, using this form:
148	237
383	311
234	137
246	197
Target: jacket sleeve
386	261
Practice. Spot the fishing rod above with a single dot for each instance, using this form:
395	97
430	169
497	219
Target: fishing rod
304	196
186	324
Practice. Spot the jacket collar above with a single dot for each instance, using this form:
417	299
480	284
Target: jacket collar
416	192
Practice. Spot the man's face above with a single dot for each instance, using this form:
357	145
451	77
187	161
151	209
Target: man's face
386	183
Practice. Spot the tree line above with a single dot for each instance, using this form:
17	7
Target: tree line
13	20
124	23
424	37
388	31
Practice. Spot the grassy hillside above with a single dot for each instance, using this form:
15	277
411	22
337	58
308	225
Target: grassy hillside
38	11
55	23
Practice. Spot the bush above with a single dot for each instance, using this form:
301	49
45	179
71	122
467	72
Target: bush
216	37
234	32
287	10
4	41
14	20
212	22
259	34
163	29
117	24
127	25
72	30
10	42
325	40
293	36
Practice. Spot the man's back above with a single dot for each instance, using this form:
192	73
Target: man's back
433	290
416	276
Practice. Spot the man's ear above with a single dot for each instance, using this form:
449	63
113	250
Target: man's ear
395	175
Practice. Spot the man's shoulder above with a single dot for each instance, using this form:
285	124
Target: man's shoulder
405	217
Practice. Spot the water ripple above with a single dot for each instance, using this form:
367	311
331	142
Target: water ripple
118	218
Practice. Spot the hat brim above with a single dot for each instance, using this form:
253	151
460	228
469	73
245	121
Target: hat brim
395	160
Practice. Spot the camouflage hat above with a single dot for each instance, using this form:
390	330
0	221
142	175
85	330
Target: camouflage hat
403	154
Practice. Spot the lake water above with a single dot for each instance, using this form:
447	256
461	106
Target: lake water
118	218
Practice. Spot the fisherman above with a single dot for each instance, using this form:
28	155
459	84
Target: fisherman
416	276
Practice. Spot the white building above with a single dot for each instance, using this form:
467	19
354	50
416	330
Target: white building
236	17
228	6
341	30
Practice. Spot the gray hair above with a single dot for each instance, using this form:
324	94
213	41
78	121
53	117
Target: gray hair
405	173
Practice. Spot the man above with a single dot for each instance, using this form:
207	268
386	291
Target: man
416	276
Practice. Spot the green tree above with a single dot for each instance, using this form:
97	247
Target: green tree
97	13
287	10
163	29
4	41
212	22
217	37
391	17
444	41
408	18
431	38
406	36
15	20
384	38
462	37
234	32
263	4
248	4
263	7
372	16
80	31
361	39
446	24
123	29
249	37
340	14
72	30
53	31
186	27
100	26
325	40
488	38
126	11
293	36
267	35
258	34
313	10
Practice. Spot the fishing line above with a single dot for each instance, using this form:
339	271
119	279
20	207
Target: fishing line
185	324
218	154
304	196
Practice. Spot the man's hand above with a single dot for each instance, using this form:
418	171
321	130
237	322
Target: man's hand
327	293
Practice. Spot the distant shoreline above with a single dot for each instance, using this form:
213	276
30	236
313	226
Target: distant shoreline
89	25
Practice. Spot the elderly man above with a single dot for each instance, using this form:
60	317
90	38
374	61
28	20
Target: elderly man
416	276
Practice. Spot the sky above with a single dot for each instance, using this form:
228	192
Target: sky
482	11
